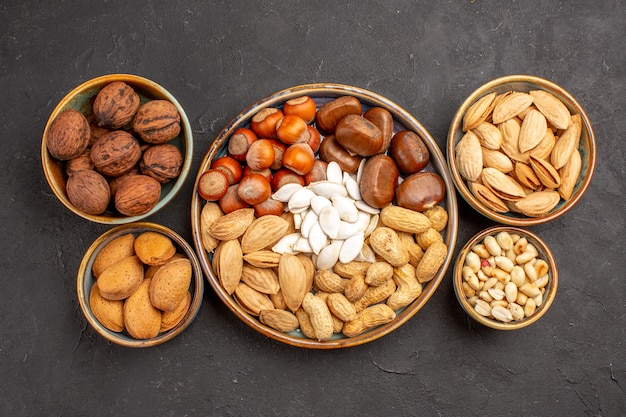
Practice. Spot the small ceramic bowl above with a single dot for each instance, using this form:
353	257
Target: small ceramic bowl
85	281
323	93
463	285
587	148
81	98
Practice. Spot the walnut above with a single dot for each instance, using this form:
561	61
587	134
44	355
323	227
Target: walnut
88	191
162	162
68	135
157	121
115	153
137	195
115	105
114	183
82	161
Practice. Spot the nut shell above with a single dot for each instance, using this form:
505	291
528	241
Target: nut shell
137	195
115	153
162	162
157	121
115	105
88	191
68	135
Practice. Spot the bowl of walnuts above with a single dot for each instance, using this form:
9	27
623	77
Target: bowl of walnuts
117	149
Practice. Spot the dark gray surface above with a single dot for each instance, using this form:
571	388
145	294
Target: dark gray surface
217	57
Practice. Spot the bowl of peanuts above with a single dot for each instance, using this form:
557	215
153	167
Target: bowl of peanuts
521	150
324	216
505	277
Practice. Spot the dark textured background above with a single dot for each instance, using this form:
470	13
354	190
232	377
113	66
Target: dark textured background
217	57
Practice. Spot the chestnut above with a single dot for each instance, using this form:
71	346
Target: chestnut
379	180
420	191
332	112
358	135
409	152
383	120
331	150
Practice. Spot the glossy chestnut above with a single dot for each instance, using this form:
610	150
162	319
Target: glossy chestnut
332	112
331	150
383	120
420	191
409	152
379	180
358	135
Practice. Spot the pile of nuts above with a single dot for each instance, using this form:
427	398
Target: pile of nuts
323	220
142	285
119	156
504	278
520	152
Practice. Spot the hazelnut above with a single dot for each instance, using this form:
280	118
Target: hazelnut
115	153
162	162
115	105
137	195
68	135
88	191
157	121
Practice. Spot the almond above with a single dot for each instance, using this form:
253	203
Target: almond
121	279
488	135
503	185
119	248
566	144
170	284
532	131
293	281
229	264
232	225
478	112
538	203
263	232
281	320
262	258
264	280
468	156
211	211
569	175
141	319
552	108
170	319
108	312
252	300
510	106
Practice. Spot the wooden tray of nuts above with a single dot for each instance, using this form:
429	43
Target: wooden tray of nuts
324	216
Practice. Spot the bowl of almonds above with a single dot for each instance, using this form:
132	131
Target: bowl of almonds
117	148
505	277
140	284
521	150
323	216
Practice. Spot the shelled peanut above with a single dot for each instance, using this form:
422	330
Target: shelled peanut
520	151
504	278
